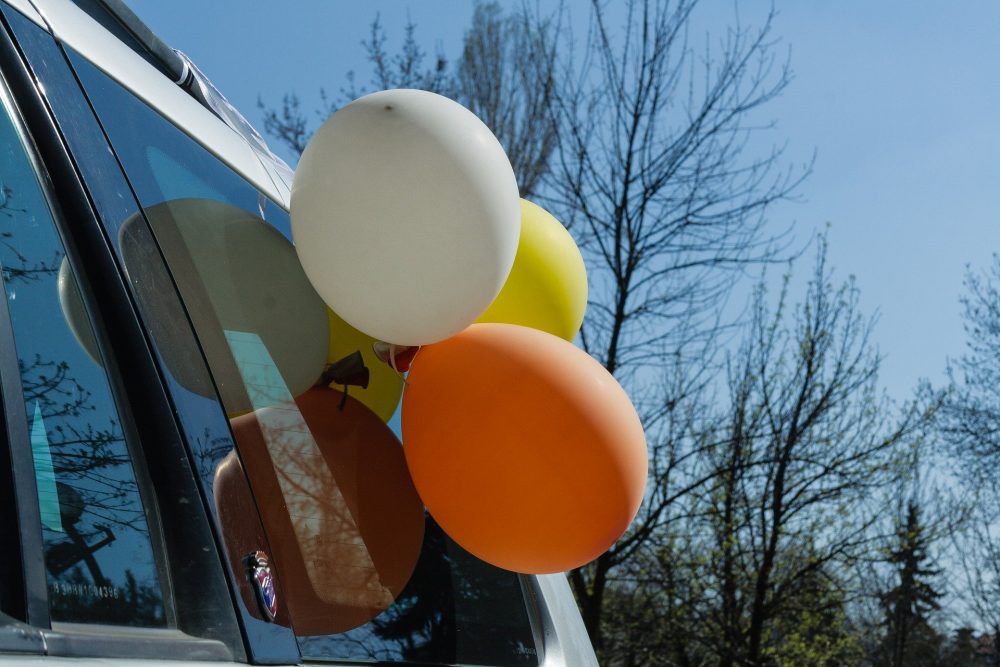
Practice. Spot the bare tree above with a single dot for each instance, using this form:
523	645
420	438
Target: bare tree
506	75
406	68
971	416
655	177
647	150
970	425
978	549
805	443
291	125
795	462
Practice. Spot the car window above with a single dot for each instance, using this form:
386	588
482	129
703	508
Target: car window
98	555
367	576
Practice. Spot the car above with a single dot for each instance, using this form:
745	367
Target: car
173	485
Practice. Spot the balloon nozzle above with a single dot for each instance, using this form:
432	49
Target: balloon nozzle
398	357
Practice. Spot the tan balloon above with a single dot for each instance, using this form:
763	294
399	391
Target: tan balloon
241	280
180	352
75	313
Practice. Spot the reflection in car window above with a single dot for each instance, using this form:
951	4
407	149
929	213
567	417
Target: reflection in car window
455	610
98	556
366	575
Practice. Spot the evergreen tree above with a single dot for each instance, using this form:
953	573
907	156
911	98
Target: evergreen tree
962	649
910	640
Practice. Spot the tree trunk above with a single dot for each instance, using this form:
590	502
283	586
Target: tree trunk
763	583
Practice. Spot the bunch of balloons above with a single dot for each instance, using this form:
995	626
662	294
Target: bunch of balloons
407	221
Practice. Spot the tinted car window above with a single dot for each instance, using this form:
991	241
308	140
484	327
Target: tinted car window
366	575
98	555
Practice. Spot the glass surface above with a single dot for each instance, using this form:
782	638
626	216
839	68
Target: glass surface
455	610
365	575
98	556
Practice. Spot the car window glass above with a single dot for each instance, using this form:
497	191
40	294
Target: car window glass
366	574
173	181
98	555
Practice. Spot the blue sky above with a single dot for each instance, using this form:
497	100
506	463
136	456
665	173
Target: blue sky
899	100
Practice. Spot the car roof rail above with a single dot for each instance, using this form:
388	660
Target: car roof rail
119	18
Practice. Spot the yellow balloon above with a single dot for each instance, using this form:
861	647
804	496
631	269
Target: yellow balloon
547	287
384	385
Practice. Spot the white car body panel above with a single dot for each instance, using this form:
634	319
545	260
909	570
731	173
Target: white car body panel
571	644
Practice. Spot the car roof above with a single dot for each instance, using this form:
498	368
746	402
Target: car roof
78	30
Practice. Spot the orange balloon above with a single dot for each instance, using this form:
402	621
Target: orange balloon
344	521
524	449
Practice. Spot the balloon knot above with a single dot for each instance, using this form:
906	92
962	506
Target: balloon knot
398	357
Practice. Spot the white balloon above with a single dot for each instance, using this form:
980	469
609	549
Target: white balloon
406	215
